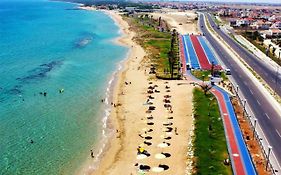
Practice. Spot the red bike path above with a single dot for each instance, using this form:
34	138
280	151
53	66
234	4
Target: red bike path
234	152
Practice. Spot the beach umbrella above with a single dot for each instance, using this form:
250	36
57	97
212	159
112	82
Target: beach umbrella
141	156
160	156
166	123
169	129
164	166
157	169
169	133
150	123
148	137
168	138
167	117
145	167
147	143
166	154
162	145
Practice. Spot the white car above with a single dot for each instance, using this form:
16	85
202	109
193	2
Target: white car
227	72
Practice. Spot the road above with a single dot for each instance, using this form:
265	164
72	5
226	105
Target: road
267	73
268	118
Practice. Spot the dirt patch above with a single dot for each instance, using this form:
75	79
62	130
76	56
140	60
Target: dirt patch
251	142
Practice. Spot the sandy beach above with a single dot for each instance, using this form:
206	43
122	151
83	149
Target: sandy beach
183	22
168	122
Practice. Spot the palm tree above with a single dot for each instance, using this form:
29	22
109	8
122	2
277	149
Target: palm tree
171	63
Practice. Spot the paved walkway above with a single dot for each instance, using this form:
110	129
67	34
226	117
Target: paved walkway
238	151
196	53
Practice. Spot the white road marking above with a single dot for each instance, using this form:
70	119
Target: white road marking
267	116
251	92
278	133
258	102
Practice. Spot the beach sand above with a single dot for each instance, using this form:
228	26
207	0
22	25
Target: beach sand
183	22
129	117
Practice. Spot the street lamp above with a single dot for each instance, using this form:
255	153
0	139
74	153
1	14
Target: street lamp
255	124
267	162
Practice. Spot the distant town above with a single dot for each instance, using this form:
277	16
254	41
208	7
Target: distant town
258	23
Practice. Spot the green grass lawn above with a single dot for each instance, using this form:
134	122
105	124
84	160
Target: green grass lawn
210	142
158	43
204	74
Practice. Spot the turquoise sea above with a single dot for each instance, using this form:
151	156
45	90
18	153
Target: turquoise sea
45	47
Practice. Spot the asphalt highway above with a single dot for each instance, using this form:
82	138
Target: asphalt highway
267	73
268	118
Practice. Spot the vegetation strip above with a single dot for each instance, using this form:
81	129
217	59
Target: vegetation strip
161	44
210	141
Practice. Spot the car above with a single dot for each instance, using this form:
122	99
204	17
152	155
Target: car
201	26
227	72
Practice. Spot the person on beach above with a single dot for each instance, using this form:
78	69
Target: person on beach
92	154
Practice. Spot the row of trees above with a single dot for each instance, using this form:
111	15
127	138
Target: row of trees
173	54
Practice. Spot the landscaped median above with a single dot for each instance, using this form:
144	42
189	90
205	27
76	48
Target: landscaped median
210	147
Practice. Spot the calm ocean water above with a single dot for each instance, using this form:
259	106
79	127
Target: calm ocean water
44	47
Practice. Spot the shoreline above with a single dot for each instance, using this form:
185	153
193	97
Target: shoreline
110	121
114	146
126	119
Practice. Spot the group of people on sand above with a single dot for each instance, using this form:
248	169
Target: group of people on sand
167	128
